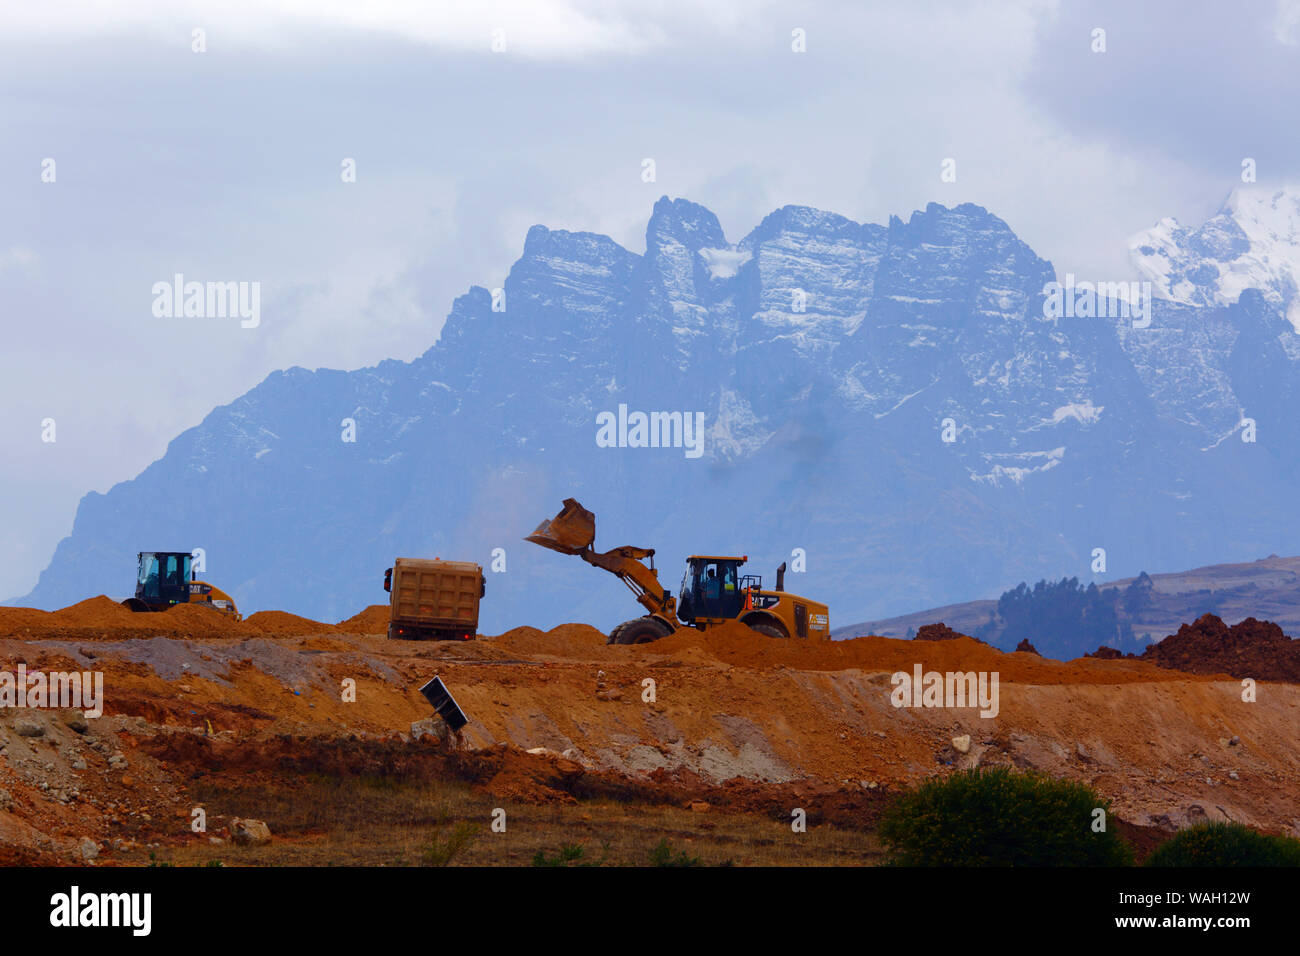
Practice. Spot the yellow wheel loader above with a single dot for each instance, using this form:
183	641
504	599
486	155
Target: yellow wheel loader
713	589
166	578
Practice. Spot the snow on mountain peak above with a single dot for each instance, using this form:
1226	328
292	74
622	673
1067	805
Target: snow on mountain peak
1253	242
724	263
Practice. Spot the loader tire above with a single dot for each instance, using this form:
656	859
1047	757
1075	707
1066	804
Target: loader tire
769	630
640	630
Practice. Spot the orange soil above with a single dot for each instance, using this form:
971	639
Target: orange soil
102	618
732	712
284	624
737	645
733	644
373	620
563	640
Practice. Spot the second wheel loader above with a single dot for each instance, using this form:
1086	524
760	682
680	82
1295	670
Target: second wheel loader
166	578
713	589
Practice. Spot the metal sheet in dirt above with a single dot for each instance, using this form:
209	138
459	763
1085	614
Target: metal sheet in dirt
436	693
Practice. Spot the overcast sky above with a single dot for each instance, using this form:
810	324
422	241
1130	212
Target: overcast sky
225	165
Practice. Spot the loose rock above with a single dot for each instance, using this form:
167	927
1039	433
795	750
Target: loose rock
249	832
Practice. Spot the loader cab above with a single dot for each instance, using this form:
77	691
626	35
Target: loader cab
711	588
164	577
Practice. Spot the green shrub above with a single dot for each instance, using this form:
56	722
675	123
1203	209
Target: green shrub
444	846
1225	844
569	854
662	855
1000	817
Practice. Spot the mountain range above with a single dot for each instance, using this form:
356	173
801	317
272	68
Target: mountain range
892	409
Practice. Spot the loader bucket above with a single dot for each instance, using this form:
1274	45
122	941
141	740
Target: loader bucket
569	532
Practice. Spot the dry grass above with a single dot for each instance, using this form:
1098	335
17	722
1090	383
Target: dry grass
379	822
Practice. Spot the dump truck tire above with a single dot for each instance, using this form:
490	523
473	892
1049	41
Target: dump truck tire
769	630
641	630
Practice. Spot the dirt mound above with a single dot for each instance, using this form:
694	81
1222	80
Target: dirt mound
941	632
530	778
735	644
16	619
195	620
564	639
284	624
1252	648
101	611
373	620
92	619
102	618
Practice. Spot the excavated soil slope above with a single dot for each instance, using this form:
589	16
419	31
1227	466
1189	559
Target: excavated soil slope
726	715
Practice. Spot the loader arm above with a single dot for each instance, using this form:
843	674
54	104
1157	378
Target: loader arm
626	564
573	530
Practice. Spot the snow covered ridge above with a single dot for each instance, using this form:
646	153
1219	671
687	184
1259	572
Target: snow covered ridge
725	263
846	382
1023	465
1085	413
1253	242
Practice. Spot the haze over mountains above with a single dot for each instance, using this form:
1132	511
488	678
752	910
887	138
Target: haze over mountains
830	359
1267	589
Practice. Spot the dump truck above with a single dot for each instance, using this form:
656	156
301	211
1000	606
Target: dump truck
434	600
713	590
166	578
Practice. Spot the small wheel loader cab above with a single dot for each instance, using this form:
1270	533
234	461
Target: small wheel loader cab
166	578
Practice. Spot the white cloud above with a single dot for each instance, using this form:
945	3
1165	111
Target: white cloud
532	28
1286	23
17	257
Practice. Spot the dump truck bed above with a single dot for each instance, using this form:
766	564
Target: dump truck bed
435	599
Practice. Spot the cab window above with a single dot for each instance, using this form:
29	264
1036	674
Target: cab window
709	581
172	571
688	584
149	576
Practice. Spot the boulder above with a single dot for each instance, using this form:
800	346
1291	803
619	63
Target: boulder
26	727
434	727
249	832
76	720
87	849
